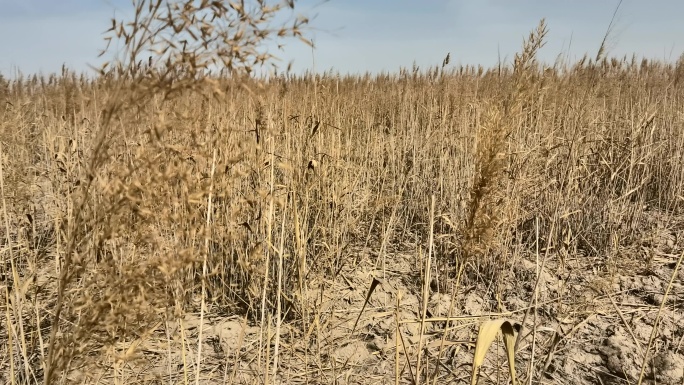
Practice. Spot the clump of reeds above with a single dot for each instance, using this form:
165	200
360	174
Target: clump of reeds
498	122
141	225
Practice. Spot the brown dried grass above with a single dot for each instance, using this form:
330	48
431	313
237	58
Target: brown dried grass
157	191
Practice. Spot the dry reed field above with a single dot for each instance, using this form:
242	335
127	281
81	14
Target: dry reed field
162	224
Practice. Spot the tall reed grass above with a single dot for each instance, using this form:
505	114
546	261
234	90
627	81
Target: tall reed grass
160	189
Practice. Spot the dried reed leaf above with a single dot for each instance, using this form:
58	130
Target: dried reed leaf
486	335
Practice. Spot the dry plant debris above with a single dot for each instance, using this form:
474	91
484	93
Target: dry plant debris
179	219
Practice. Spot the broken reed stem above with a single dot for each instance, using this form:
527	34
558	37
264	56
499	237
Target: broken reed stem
426	288
279	294
203	301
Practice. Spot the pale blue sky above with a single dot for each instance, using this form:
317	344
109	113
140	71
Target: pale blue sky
354	36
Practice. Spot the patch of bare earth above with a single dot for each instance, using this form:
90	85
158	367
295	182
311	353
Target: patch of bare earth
593	325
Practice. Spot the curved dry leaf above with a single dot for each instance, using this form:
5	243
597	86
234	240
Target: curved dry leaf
486	335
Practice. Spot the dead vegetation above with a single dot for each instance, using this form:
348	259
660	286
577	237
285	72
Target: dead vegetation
165	224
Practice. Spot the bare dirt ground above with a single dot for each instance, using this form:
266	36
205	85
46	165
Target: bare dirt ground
593	324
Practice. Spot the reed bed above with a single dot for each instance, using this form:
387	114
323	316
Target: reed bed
166	224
